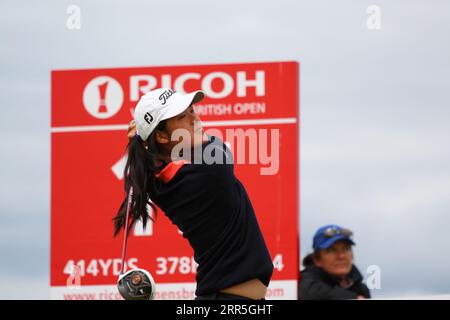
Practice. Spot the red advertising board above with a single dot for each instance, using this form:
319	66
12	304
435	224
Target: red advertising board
90	113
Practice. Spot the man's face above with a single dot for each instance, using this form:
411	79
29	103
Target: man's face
336	260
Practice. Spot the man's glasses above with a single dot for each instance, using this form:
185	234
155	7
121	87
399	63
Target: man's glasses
333	231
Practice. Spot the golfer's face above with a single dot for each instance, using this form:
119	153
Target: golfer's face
191	132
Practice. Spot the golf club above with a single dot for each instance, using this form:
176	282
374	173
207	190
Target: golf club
135	284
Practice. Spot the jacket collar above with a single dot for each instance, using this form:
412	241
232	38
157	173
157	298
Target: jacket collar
170	170
354	275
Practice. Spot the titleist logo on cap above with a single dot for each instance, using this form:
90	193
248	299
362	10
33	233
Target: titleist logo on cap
165	95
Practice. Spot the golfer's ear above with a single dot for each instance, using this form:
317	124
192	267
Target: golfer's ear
162	137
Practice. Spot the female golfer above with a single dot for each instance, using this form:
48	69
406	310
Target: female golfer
203	198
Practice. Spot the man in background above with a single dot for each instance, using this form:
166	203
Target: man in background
329	271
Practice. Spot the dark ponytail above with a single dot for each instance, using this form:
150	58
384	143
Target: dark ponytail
140	169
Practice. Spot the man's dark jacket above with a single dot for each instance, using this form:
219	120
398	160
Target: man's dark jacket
316	284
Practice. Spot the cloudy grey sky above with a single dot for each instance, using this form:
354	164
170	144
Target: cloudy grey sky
374	115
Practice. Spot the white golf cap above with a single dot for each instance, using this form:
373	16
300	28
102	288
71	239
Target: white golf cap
161	104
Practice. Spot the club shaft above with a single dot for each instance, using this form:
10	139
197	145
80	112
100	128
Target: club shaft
124	246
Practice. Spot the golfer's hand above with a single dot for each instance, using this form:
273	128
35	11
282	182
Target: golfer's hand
131	130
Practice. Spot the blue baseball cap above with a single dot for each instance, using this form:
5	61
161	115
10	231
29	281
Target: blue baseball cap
327	235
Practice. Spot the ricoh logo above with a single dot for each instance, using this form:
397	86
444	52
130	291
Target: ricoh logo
103	96
238	83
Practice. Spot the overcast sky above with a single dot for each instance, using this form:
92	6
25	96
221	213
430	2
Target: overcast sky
375	130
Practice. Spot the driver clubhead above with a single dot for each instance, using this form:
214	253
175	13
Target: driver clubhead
136	284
